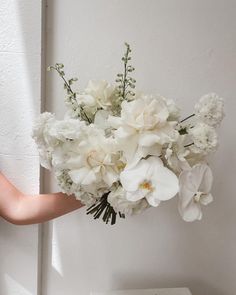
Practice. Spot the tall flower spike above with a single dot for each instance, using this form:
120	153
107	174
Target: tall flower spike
59	68
126	83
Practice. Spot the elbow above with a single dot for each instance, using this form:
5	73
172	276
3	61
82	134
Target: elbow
14	214
15	220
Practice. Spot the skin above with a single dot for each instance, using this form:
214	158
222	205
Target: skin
21	209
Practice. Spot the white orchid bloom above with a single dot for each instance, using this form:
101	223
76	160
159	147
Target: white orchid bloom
195	187
151	180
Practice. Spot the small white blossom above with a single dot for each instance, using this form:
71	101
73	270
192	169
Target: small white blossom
195	187
117	199
176	155
98	94
71	188
43	139
149	179
65	182
210	109
204	138
173	109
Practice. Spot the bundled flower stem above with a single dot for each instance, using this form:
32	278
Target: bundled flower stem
103	206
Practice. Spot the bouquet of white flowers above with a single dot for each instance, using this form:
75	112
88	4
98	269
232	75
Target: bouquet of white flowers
121	152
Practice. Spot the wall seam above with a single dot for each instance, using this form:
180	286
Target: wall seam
41	175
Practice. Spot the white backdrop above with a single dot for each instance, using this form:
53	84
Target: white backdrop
20	103
181	49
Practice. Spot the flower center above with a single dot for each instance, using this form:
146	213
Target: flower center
197	196
147	185
93	159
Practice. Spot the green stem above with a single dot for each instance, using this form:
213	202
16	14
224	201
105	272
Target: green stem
185	119
73	93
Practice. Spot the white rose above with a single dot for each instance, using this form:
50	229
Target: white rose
143	128
91	159
210	109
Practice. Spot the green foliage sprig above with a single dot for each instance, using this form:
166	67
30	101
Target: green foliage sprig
71	95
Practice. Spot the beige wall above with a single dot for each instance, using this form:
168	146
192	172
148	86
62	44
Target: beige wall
182	49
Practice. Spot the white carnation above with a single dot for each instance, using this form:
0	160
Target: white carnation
204	138
210	109
67	129
117	199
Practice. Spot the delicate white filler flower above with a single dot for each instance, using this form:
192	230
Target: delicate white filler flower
176	154
204	138
69	187
195	187
151	180
117	199
143	128
210	109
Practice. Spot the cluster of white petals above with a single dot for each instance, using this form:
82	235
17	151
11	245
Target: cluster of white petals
117	198
210	109
204	138
143	127
91	159
176	155
98	94
135	151
195	187
43	139
151	180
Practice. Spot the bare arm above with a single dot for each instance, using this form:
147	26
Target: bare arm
19	208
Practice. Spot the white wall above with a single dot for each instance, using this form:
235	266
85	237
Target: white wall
20	96
182	49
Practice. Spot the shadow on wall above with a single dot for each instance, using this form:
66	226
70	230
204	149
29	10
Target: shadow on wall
19	253
72	259
196	287
20	59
